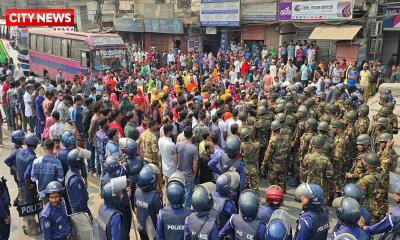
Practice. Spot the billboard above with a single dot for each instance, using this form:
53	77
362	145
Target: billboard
220	13
313	10
391	18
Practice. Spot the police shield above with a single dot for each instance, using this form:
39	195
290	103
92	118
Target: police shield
151	232
394	180
81	225
345	236
282	216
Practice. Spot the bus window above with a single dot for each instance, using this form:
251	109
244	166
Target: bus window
39	43
76	47
66	48
48	44
85	59
32	42
57	46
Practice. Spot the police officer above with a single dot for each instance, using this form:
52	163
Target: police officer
200	224
274	199
171	220
313	222
27	188
5	216
352	190
53	217
348	211
390	225
226	184
279	227
74	184
148	201
110	217
245	225
17	138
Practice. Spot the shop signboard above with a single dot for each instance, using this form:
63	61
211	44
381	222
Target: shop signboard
128	25
316	10
391	18
171	26
220	13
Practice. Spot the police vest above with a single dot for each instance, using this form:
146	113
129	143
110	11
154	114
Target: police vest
174	223
134	165
143	202
63	157
245	230
321	224
229	164
264	214
68	177
200	229
21	161
104	218
394	234
357	232
219	203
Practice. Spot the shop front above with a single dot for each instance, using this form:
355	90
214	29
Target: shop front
166	34
131	30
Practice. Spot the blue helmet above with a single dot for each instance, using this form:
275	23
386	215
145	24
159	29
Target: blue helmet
248	205
202	199
113	150
112	165
276	230
147	179
175	194
227	182
232	147
31	139
68	139
312	192
17	137
77	156
352	190
131	148
348	210
112	189
53	187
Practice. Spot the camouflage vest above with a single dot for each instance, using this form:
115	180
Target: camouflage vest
250	153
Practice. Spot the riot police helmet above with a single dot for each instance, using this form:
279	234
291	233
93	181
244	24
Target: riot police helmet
147	179
276	230
131	147
68	139
245	134
331	108
31	139
352	190
232	146
347	210
53	187
274	195
111	191
17	137
112	165
248	205
302	111
77	156
264	102
322	95
227	182
280	108
175	194
312	192
202	199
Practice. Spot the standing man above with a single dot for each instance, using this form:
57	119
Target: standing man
101	143
250	153
365	76
188	156
149	141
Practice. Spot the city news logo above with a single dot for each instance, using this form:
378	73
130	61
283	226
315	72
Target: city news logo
40	17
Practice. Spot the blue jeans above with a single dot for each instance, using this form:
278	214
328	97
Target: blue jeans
188	194
90	147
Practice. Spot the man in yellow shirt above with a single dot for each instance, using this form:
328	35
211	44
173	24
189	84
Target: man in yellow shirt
365	75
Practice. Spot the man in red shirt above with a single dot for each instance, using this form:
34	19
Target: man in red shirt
268	80
116	123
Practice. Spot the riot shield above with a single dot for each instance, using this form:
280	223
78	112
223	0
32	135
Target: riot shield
282	216
81	225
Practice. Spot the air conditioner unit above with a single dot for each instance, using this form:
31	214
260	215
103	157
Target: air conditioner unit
376	28
376	45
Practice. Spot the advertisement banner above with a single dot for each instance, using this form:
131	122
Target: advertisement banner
258	10
391	19
220	13
172	26
313	10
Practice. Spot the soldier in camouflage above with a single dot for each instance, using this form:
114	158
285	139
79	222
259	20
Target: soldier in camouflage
339	103
276	157
243	117
358	168
250	152
273	96
350	134
393	118
251	119
262	130
339	154
388	163
323	131
312	110
318	167
378	127
305	146
332	111
321	103
298	133
291	118
369	183
362	123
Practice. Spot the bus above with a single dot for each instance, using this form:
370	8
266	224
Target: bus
74	52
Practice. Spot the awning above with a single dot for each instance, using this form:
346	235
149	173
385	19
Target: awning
334	32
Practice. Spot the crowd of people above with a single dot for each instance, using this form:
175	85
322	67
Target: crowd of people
181	141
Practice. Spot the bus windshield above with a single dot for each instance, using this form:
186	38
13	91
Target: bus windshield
105	59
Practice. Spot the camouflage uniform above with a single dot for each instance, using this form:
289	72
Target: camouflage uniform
328	144
250	152
393	122
351	146
150	146
369	183
262	133
341	107
276	161
319	170
338	160
298	133
362	125
358	168
305	146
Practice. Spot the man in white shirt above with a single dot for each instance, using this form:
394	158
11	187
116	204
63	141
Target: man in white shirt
18	72
290	70
170	58
237	65
58	127
28	107
168	152
264	52
273	70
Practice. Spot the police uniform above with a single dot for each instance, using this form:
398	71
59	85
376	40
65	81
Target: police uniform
242	229
312	225
76	191
171	223
10	161
4	210
200	226
264	213
225	208
356	231
111	223
390	224
54	222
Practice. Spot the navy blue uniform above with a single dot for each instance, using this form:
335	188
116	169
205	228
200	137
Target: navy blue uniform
10	161
200	227
54	222
243	229
111	226
225	208
264	213
389	223
355	231
312	225
4	213
171	223
76	191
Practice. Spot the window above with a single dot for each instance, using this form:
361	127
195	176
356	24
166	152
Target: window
57	46
48	44
85	62
39	43
32	42
66	48
76	47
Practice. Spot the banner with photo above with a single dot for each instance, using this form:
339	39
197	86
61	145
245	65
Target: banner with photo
316	10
